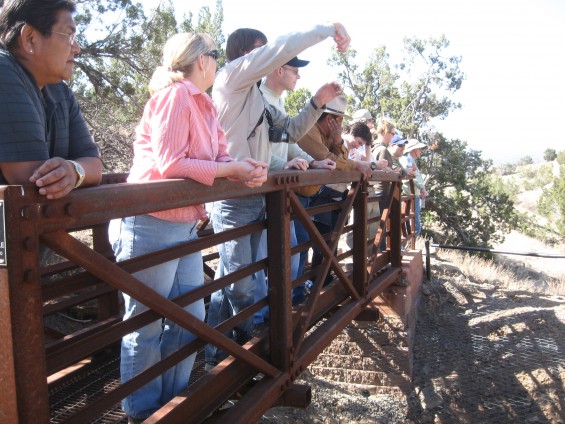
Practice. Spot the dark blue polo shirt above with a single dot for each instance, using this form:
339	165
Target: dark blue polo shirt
38	124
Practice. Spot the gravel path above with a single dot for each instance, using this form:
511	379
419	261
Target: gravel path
482	354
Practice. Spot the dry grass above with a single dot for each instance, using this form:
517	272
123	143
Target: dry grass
505	274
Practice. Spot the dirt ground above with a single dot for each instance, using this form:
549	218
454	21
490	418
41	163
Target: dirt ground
483	353
543	266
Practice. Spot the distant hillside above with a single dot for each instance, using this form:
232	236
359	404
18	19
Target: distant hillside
527	183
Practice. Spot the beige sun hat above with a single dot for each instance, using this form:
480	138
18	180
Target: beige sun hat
362	115
337	106
414	144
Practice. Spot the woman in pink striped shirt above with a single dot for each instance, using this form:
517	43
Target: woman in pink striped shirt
178	137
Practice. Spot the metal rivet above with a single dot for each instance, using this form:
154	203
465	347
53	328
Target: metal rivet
28	275
29	244
48	211
70	210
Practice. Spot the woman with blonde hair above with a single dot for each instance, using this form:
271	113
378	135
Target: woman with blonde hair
178	137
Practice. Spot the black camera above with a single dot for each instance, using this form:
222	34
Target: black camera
277	135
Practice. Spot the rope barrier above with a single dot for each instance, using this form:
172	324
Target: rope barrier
484	249
506	252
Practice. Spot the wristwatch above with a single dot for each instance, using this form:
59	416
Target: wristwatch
373	166
80	172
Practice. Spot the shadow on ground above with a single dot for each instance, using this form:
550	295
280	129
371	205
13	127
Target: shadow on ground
487	355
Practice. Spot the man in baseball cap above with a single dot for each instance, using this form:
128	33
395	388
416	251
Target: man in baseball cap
280	80
297	63
396	149
398	140
285	156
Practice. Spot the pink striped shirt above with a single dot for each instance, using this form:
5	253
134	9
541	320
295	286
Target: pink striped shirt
179	137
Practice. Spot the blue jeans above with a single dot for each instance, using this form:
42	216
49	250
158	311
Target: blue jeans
324	196
298	291
325	221
372	229
417	221
138	235
302	236
262	288
234	254
383	204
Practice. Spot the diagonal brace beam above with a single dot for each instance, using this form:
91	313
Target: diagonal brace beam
108	271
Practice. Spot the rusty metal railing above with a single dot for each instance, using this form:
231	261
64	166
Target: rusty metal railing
35	356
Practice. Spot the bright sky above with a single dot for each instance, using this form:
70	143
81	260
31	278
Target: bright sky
513	55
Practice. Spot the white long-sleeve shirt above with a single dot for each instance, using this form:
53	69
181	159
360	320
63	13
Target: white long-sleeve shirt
240	102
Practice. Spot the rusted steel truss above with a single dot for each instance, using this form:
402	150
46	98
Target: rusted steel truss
261	373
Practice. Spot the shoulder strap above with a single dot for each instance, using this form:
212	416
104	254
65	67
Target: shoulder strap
269	117
259	122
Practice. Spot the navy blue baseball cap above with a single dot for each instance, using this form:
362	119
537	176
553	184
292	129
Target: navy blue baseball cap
398	140
297	63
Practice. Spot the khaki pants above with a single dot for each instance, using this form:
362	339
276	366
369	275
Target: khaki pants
372	211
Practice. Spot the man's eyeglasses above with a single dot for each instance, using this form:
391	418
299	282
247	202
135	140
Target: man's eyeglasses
294	71
72	37
215	54
392	132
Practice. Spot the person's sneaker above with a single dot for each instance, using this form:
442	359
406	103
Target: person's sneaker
132	420
259	329
227	405
260	376
402	282
209	366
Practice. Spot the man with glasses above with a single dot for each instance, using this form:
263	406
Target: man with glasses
43	136
396	149
282	79
249	123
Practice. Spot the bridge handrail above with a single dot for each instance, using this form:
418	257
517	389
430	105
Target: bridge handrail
28	293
